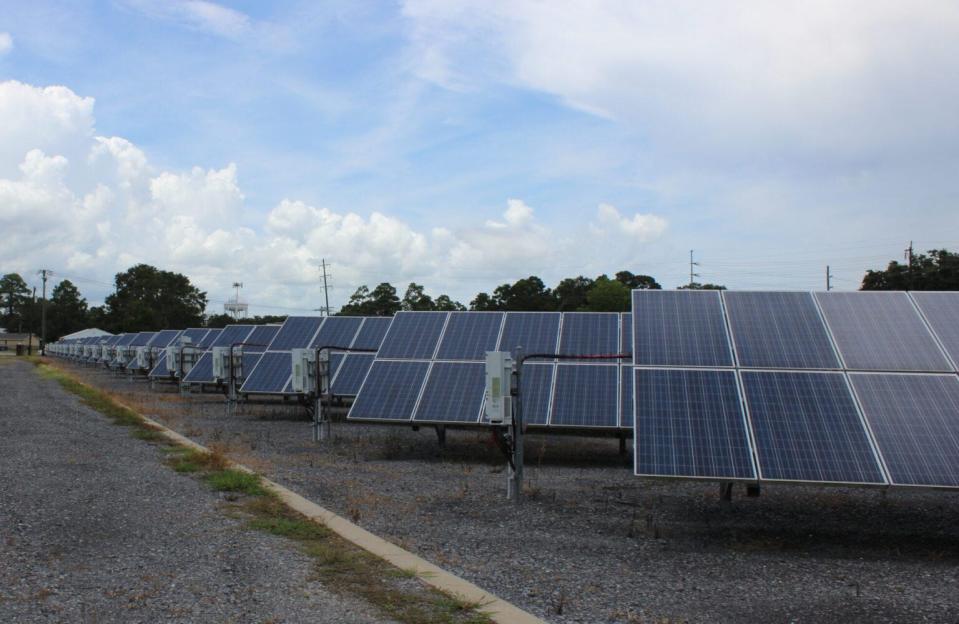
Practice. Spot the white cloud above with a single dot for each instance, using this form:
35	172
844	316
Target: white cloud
198	15
6	43
94	205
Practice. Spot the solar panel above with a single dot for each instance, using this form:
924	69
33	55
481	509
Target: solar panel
586	395
202	371
372	332
195	334
690	423
260	338
453	393
337	331
390	391
209	338
413	335
941	310
351	373
469	335
270	375
586	333
626	397
536	392
296	333
626	333
779	330
915	420
250	360
679	328
535	332
232	334
164	338
880	331
806	428
141	339
126	339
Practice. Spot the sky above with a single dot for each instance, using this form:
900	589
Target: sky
462	145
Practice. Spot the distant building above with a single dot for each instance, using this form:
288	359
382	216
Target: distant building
86	333
9	342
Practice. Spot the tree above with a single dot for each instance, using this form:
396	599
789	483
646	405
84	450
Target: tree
67	311
607	295
937	269
698	286
16	296
571	293
445	304
632	282
416	299
483	302
358	303
148	299
383	300
528	294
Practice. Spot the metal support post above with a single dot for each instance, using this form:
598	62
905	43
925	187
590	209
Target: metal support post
515	473
726	492
441	436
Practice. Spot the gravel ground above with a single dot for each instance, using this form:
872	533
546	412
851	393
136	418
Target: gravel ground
593	543
94	528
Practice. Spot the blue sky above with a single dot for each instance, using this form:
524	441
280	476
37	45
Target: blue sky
463	144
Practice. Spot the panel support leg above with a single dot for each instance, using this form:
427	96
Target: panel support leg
752	490
622	444
322	427
726	492
441	436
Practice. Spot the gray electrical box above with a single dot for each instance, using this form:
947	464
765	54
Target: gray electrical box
499	375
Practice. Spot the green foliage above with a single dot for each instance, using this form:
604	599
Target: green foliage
15	295
382	301
607	295
445	304
148	299
231	480
526	294
416	299
632	282
937	269
698	286
218	321
572	292
484	303
66	311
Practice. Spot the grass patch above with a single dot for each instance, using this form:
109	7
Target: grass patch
338	564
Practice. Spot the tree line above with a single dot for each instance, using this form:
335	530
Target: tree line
146	298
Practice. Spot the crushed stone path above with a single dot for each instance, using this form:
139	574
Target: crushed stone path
94	528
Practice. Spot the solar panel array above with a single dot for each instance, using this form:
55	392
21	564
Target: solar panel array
440	357
841	388
193	335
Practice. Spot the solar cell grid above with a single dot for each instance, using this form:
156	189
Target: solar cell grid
536	392
586	395
626	333
779	330
372	332
589	333
270	375
690	423
260	338
626	408
351	374
941	310
209	338
390	391
232	334
535	332
413	336
296	333
469	335
337	331
202	370
880	331
806	428
679	328
453	393
915	420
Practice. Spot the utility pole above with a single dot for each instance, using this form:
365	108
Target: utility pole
692	264
44	274
909	262
326	287
828	279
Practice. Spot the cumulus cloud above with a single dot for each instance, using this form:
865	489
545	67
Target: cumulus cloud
6	43
94	205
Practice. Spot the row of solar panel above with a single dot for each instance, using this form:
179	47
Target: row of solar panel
872	331
832	427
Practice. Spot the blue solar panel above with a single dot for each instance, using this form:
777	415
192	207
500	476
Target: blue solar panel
164	337
337	331
535	332
208	339
350	375
806	428
941	309
690	423
586	395
160	370
271	374
195	335
779	330
202	371
232	334
453	393
260	338
881	331
589	333
390	391
141	339
250	360
915	419
626	333
372	332
296	333
626	409
679	328
536	392
413	335
469	335
126	339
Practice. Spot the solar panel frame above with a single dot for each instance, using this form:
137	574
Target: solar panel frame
887	335
535	330
296	332
338	331
943	323
704	344
732	421
260	338
469	335
590	333
767	347
413	336
351	374
371	332
913	407
273	371
759	433
559	401
407	378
